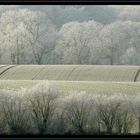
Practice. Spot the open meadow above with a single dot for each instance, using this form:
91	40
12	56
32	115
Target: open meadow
67	86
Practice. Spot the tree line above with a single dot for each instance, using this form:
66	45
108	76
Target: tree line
43	110
34	36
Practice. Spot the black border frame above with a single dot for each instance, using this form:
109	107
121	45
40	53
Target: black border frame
69	2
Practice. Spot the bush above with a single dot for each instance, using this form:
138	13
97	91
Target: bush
42	104
14	112
77	111
41	110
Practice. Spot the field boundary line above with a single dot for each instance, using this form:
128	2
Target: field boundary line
6	70
136	76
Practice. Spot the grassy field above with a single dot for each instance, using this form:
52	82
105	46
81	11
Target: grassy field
66	86
70	72
68	78
93	79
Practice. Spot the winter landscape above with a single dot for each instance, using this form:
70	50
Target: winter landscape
69	70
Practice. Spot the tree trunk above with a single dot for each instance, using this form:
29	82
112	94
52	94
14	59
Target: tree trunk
139	120
109	130
17	52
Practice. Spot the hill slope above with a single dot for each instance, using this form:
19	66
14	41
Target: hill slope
70	72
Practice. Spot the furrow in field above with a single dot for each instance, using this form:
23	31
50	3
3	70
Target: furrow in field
3	72
33	78
9	74
2	68
42	75
62	73
74	75
136	75
70	73
19	72
65	72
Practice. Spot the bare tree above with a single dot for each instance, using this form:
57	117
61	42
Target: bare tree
135	107
42	36
77	108
124	120
78	41
15	113
107	109
42	104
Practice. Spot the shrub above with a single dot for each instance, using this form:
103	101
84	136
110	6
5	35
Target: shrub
42	104
77	110
14	111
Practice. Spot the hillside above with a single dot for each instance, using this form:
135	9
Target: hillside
70	72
